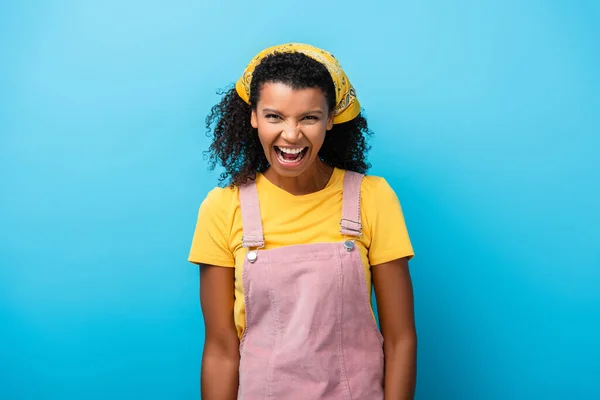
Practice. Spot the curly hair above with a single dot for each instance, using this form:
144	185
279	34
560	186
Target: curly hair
236	146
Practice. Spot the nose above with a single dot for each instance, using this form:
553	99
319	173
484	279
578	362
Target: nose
291	133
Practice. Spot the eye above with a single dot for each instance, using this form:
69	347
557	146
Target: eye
272	116
311	118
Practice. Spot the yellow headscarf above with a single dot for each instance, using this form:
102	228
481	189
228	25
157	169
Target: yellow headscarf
347	106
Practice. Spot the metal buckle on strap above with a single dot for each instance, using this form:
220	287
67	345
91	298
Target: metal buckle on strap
253	239
252	254
352	222
351	227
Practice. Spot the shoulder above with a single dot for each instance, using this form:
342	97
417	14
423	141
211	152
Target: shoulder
219	197
377	197
219	202
376	187
211	243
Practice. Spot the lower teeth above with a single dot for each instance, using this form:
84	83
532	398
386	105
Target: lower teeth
285	160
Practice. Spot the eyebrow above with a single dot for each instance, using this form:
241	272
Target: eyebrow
270	110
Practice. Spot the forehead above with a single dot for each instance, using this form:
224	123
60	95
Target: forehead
283	97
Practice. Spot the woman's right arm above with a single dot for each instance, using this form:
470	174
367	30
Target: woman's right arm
221	357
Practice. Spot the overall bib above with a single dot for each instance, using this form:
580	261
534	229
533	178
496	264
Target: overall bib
310	332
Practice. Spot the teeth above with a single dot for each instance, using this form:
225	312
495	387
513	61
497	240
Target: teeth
286	161
283	160
290	151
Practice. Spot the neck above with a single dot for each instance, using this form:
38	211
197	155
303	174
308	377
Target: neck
311	181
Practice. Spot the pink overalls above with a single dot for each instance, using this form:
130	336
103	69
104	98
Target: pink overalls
310	332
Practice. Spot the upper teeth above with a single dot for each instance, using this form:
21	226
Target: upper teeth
290	151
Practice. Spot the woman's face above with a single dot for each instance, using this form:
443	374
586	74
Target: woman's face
292	124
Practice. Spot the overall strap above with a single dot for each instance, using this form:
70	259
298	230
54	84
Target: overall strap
251	221
350	223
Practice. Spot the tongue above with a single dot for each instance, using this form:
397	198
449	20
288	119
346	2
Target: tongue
289	156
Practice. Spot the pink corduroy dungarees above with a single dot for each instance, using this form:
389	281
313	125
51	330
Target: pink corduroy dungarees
310	332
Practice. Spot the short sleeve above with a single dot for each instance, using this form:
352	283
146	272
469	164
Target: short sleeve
210	243
389	236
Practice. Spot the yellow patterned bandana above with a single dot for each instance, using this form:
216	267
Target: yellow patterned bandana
347	105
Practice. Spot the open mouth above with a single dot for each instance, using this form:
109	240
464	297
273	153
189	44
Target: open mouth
288	155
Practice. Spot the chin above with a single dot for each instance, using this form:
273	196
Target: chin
287	173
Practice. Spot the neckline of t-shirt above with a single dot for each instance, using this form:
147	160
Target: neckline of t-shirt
333	179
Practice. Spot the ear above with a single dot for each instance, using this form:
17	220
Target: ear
254	119
330	121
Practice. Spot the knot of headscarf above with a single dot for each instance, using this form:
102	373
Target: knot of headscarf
347	106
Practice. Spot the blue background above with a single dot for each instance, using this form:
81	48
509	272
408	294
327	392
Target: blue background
487	125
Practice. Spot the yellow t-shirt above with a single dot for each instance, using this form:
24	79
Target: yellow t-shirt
290	220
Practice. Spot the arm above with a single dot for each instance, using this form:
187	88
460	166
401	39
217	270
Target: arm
220	360
393	289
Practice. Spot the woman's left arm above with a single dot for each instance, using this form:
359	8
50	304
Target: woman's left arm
393	290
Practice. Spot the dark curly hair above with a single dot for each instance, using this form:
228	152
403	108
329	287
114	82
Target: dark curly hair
236	145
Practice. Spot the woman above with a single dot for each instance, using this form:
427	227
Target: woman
290	249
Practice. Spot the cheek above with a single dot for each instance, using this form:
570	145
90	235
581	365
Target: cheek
316	135
266	135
